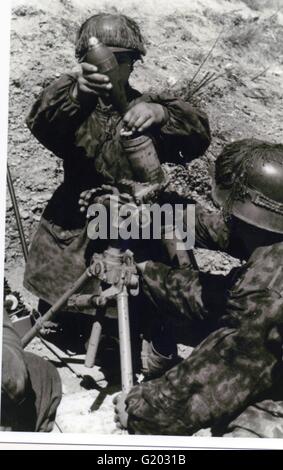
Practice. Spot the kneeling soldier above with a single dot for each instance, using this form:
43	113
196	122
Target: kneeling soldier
232	382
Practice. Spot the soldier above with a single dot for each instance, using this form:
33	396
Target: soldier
232	382
75	120
30	388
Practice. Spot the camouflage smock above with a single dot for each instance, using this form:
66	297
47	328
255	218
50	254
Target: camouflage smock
30	389
238	364
86	137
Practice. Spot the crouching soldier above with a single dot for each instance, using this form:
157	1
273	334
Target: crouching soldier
30	389
74	118
233	380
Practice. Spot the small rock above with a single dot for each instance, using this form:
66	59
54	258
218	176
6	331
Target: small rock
171	81
24	215
36	208
229	67
41	187
36	90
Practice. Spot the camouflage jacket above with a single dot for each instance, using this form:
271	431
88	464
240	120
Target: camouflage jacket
87	137
88	141
239	362
30	388
14	371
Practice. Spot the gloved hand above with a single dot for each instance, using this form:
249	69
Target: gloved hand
144	115
91	83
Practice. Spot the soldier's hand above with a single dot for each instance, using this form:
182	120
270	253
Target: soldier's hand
141	267
121	415
103	195
86	199
92	83
144	115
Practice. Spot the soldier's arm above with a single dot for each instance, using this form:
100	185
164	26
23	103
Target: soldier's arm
14	370
231	369
228	371
211	230
57	114
174	291
185	134
184	293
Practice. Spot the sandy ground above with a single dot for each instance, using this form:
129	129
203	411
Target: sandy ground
245	101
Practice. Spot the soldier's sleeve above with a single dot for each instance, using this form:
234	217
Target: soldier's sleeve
211	232
184	293
186	133
187	292
223	375
232	368
56	115
228	371
14	370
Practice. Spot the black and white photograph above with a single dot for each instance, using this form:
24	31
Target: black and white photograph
143	222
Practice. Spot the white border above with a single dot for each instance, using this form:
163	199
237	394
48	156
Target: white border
85	441
4	93
111	442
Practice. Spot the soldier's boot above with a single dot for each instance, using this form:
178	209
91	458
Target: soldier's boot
155	364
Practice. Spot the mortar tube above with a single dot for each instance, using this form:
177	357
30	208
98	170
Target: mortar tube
125	341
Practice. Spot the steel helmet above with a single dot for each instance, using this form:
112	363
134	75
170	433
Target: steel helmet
117	31
249	183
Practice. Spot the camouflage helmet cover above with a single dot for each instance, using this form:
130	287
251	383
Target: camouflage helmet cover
249	183
117	31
